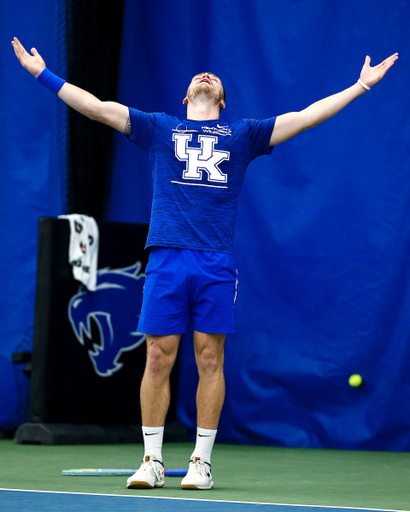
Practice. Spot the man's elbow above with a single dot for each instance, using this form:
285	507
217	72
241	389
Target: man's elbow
309	122
307	119
95	112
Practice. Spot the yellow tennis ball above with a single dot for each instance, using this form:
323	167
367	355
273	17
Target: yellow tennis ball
355	380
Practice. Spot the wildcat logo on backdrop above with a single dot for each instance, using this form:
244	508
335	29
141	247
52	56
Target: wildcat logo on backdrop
115	306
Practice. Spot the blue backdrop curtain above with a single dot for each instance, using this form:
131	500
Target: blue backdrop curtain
53	163
32	183
323	232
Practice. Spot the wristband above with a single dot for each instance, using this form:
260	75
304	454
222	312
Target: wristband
50	80
363	85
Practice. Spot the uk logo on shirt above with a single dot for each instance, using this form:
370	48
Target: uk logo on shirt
205	158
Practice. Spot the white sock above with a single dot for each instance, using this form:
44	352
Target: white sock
205	439
153	437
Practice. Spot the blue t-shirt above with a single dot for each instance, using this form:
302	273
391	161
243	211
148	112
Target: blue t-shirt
197	172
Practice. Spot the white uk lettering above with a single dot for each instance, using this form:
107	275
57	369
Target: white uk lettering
205	158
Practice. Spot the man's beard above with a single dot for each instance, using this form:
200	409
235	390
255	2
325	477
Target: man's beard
205	94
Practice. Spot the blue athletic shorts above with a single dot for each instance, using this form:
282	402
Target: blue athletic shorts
183	285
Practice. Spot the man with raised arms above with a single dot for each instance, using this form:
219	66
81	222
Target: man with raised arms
197	165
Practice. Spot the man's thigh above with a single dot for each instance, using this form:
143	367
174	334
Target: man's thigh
165	307
213	288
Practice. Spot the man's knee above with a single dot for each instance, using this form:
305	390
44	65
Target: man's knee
161	353
210	361
157	360
209	353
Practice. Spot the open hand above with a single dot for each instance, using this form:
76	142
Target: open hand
371	75
33	63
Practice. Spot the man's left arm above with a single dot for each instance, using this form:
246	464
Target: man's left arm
290	124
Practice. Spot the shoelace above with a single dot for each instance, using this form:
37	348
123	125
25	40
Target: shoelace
156	467
201	467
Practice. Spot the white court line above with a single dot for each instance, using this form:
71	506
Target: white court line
211	501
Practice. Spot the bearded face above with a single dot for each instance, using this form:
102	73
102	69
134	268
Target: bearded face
206	87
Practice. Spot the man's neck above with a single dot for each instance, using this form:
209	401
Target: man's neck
201	111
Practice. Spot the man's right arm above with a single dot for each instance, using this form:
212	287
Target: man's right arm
108	112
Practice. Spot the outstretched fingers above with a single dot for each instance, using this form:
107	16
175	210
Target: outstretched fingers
19	50
32	62
372	75
388	63
16	46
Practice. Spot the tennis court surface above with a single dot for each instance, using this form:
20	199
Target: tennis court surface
247	478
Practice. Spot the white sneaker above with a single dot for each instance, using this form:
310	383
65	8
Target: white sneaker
149	475
198	476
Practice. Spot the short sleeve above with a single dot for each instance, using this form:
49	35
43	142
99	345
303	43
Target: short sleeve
142	128
260	132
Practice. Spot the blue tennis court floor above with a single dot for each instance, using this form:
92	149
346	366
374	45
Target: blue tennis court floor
45	501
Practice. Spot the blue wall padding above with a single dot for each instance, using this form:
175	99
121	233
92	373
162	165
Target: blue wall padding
323	230
32	185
